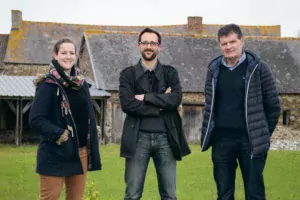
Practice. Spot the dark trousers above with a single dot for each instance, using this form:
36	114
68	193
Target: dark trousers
153	145
227	149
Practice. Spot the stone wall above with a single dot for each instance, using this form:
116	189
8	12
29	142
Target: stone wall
285	133
24	69
108	126
192	112
108	123
286	138
191	97
291	105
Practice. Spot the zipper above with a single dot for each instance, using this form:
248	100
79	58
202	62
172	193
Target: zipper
211	110
246	109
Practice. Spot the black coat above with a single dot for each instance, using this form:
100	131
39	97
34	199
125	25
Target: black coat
47	120
262	106
154	104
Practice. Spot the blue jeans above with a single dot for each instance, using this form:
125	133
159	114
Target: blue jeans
153	145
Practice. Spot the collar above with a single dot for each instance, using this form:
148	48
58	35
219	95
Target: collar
242	59
140	69
145	68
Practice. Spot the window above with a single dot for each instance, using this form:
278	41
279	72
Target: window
286	117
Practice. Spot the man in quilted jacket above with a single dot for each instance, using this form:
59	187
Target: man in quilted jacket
241	112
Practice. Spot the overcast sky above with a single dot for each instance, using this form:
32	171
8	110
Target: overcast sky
156	12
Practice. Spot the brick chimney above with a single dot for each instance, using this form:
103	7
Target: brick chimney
195	24
16	19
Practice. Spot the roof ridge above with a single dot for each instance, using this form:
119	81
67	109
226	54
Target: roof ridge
136	33
245	25
137	26
190	35
272	38
125	26
37	22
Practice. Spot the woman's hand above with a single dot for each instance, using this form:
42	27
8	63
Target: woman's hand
64	137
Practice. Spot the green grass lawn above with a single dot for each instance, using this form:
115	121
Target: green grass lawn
18	179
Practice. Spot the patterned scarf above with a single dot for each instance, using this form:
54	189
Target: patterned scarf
74	81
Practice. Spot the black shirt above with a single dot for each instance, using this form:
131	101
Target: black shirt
152	124
79	109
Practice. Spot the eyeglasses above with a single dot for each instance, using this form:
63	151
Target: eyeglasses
146	43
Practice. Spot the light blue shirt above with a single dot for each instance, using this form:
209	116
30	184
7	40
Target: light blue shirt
242	58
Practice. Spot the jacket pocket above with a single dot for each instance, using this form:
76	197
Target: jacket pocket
64	152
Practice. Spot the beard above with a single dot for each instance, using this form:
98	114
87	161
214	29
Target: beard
152	57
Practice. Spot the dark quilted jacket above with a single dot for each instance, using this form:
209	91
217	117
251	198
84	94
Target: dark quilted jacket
262	106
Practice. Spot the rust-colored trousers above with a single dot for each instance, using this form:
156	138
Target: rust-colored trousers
51	186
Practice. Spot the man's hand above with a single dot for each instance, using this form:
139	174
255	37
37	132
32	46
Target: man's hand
139	97
64	137
169	90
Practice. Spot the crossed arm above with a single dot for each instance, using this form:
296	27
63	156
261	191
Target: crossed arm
171	99
130	105
149	104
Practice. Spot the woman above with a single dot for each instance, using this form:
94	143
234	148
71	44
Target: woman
63	115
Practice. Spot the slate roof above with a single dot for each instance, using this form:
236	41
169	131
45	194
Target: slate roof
33	41
111	52
271	31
